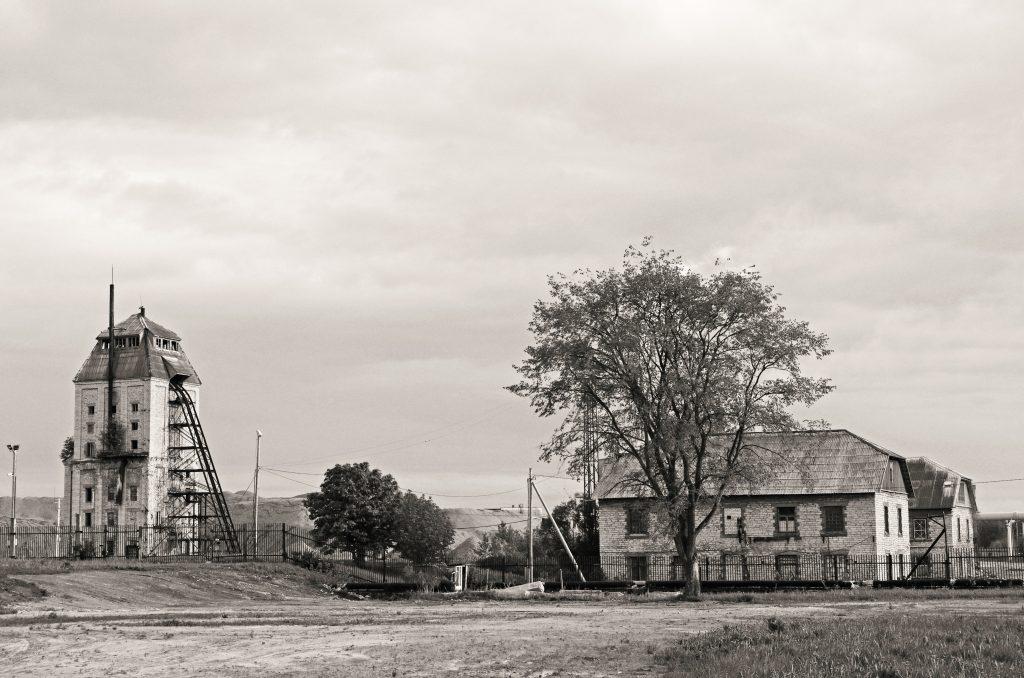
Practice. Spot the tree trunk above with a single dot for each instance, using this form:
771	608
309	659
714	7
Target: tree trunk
686	547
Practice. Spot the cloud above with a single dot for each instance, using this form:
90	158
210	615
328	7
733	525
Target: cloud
348	209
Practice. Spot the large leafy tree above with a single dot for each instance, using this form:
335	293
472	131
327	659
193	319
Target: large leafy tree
423	532
677	367
354	510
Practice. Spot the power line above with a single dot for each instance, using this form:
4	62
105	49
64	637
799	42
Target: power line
1003	480
455	427
278	472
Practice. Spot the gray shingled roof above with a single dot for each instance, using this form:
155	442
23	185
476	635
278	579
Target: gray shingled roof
138	362
137	323
818	462
935	486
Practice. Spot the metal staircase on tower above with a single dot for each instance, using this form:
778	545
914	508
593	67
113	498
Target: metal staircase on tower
198	518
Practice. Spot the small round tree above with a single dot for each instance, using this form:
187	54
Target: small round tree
354	510
423	531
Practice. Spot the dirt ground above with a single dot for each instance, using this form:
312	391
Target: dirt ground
182	623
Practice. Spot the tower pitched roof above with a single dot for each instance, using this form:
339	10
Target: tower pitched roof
137	323
146	361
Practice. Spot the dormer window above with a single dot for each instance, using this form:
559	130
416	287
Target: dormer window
126	342
166	344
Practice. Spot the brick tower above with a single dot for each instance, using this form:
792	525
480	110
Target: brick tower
141	479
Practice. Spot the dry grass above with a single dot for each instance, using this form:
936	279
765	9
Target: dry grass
880	646
863	595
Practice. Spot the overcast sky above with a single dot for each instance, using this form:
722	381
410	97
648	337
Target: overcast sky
347	210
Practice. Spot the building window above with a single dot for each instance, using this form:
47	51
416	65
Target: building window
113	408
787	566
111	518
135	407
833	519
899	521
90	449
135	426
88	518
90	410
637	567
90	427
959	532
111	493
135	444
785	520
133	493
636	520
885	517
88	495
920	528
968	521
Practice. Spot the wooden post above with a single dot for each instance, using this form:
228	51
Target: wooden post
284	542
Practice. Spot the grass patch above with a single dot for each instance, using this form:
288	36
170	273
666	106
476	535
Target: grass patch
865	595
17	591
903	646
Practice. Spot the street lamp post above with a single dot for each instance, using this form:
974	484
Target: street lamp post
14	500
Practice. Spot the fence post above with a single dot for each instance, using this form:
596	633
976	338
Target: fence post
384	567
245	542
284	543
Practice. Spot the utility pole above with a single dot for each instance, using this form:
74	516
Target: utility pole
561	537
14	500
256	492
56	548
529	524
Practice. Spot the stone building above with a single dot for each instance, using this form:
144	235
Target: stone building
838	499
134	471
942	513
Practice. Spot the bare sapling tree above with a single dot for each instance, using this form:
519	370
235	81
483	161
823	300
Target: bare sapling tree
678	367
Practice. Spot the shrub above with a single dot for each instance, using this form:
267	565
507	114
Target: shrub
311	560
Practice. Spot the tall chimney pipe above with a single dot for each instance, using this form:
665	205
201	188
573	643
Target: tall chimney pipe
110	361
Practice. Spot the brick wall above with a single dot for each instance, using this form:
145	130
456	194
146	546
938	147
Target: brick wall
864	534
148	474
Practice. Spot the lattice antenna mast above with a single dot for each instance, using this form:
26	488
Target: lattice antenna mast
589	449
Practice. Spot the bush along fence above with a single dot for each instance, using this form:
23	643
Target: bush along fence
279	542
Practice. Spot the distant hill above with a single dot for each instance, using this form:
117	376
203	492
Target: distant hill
470	523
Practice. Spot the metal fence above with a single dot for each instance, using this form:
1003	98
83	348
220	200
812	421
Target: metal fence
269	543
959	564
282	542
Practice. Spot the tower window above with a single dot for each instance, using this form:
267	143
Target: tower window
135	444
135	407
111	518
88	495
133	493
90	450
90	427
135	426
90	410
88	518
111	493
